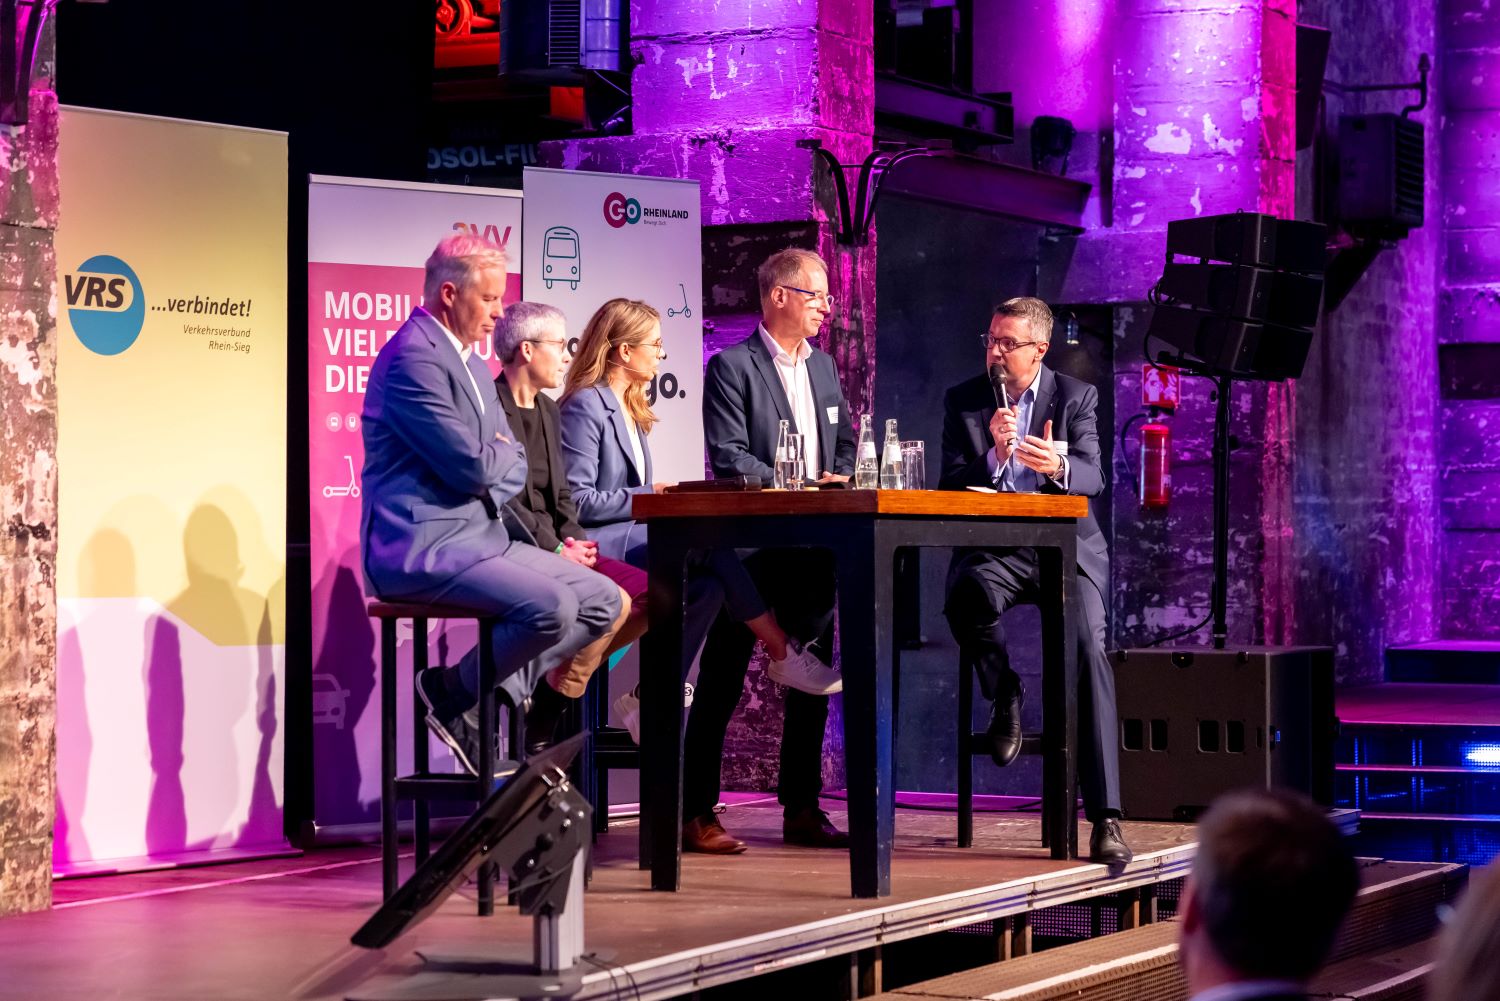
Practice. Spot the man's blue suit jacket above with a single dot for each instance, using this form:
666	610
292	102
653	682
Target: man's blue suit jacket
435	478
743	401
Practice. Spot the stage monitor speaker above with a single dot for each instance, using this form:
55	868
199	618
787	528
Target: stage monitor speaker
1196	722
1239	348
1261	241
1281	297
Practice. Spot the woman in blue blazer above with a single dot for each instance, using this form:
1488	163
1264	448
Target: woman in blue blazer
606	424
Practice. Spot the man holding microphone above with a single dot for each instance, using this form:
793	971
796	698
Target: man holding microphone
1020	427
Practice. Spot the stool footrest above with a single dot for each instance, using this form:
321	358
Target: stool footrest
422	610
979	744
454	786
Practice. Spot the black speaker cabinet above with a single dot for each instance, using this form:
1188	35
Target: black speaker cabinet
1197	722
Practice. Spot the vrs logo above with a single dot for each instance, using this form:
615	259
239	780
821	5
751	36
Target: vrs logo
105	304
618	210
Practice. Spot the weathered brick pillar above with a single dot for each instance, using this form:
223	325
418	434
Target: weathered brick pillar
28	496
722	93
1367	533
1203	124
1468	454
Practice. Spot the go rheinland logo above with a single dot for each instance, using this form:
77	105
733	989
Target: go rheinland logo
105	304
618	210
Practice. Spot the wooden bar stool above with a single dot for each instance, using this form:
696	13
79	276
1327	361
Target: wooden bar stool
975	744
423	785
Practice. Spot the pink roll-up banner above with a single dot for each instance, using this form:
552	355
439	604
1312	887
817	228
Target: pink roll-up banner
366	244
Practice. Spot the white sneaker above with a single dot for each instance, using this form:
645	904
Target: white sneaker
805	672
628	708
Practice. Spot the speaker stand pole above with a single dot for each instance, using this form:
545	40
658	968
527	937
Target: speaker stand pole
1219	596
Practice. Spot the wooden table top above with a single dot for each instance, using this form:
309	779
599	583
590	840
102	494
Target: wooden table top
937	503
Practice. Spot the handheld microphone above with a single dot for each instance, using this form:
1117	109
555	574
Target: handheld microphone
997	384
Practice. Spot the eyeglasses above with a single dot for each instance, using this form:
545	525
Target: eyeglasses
1005	345
812	296
560	343
658	346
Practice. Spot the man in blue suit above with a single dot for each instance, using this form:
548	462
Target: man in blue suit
748	388
1002	430
440	465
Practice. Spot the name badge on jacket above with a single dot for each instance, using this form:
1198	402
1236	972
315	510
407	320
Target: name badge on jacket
833	414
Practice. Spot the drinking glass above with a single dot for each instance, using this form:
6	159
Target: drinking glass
914	464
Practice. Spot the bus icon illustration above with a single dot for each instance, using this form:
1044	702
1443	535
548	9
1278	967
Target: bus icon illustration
560	258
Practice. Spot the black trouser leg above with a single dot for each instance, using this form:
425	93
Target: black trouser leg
982	586
1098	750
721	682
799	585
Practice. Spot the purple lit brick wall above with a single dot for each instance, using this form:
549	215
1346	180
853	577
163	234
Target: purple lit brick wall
28	496
722	93
1202	124
1366	490
1468	421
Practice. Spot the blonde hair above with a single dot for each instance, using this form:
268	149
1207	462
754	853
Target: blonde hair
1036	313
617	322
784	266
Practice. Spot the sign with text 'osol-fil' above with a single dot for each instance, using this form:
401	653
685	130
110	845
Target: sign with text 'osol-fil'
367	242
171	258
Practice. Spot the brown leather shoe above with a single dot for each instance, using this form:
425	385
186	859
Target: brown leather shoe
706	835
811	828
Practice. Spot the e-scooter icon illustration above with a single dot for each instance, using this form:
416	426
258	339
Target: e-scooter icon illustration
352	490
686	310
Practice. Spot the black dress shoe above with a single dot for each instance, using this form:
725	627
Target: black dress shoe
1004	730
543	715
1107	845
811	828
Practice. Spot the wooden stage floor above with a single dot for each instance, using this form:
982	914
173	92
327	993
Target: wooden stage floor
280	928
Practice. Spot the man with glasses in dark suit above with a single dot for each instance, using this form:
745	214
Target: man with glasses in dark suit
1005	430
748	389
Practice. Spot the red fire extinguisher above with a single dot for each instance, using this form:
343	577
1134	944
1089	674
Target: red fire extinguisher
1156	477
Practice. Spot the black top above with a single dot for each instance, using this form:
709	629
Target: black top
544	505
528	425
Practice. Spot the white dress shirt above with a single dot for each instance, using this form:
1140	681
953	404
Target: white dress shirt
464	351
637	455
792	371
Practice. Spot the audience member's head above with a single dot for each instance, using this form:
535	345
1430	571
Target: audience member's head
1270	886
1468	955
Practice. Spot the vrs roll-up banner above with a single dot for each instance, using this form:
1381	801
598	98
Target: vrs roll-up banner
171	259
366	245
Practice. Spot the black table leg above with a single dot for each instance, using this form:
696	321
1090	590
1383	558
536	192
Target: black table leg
388	846
1059	696
662	670
865	568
